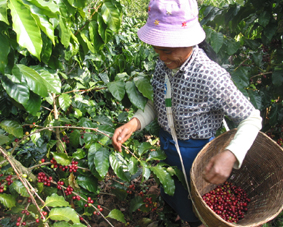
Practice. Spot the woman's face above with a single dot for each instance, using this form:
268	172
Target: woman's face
173	57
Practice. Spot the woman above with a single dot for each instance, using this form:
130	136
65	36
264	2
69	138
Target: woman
202	93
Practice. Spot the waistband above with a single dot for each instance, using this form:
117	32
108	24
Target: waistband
184	143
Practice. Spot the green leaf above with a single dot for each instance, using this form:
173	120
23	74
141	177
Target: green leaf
253	44
4	139
79	154
3	11
56	201
88	182
217	40
5	49
62	224
66	224
64	214
78	3
133	165
241	77
277	77
43	21
102	29
135	203
8	200
75	138
119	166
32	78
232	46
87	123
28	33
20	188
12	127
117	215
16	91
88	43
64	101
255	99
62	158
94	35
146	170
50	9
135	96
107	129
179	173
117	89
101	160
111	16
33	104
65	33
165	179
144	147
270	31
51	80
103	120
66	9
156	155
144	86
257	58
264	18
91	154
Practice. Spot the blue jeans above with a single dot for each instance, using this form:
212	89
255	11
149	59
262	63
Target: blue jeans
189	150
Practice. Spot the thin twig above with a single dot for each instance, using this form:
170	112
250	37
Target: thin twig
260	74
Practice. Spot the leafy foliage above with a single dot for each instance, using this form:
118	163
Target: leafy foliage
73	71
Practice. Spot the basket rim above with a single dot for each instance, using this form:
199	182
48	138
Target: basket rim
193	179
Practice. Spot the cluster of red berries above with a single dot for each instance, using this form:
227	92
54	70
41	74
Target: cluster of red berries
9	179
89	202
1	189
41	177
131	188
74	166
76	197
19	222
54	163
100	210
25	212
149	204
59	184
69	190
65	139
228	201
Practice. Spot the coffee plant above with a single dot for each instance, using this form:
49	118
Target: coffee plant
73	71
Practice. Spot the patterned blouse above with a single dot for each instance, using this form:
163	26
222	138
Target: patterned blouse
202	93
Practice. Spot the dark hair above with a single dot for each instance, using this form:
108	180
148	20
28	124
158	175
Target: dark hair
208	50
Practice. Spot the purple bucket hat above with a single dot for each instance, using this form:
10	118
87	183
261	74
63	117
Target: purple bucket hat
172	23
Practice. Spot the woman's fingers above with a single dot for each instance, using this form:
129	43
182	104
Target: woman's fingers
123	133
219	167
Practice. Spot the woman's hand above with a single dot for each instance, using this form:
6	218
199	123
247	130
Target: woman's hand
124	132
219	167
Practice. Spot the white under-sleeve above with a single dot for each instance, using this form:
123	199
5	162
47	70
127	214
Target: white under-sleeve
246	134
146	116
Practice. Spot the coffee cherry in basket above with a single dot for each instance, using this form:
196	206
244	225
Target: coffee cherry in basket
228	201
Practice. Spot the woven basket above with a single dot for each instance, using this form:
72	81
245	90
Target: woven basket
261	176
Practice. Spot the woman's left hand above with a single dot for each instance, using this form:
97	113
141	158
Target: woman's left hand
219	167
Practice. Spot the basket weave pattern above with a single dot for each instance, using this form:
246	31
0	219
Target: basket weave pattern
261	176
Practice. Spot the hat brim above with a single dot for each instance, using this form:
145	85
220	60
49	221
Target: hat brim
172	38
